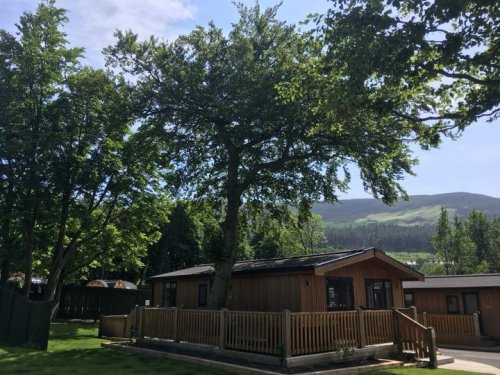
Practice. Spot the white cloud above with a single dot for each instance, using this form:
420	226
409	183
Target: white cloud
93	22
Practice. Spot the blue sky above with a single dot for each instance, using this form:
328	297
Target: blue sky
470	164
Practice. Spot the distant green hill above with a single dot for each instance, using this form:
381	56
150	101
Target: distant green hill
418	210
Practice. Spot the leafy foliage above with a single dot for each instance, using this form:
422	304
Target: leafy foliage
421	62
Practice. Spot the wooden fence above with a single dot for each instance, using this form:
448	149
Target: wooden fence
283	334
447	324
416	338
82	302
23	322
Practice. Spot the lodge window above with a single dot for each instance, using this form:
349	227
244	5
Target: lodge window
339	293
202	294
409	299
452	305
169	293
378	294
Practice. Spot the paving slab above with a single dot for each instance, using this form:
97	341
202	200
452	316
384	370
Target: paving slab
460	364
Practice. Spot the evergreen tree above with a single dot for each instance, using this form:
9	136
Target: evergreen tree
442	241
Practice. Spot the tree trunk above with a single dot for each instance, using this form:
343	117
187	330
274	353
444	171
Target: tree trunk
54	276
5	270
28	257
6	228
224	265
54	303
60	256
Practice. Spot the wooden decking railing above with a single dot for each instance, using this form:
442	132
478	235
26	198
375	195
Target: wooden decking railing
283	334
198	326
256	332
323	332
157	322
447	324
379	326
415	337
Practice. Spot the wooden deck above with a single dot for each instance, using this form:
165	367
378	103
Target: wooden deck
283	334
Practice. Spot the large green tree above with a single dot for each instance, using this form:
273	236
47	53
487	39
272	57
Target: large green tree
83	189
34	67
247	114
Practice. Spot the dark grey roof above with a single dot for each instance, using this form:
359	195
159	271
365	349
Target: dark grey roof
204	269
456	281
269	265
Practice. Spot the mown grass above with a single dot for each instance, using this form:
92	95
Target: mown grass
75	349
420	371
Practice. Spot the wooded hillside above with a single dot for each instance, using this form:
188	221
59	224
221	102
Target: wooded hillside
404	226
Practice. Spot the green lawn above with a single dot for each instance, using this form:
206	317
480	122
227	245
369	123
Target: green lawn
75	349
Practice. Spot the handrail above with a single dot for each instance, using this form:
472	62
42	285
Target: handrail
415	337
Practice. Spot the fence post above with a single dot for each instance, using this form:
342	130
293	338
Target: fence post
176	324
477	326
431	343
139	320
362	332
99	332
222	328
395	321
414	313
136	321
286	334
424	318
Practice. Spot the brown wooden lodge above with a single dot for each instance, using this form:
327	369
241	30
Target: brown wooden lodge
366	278
456	298
295	311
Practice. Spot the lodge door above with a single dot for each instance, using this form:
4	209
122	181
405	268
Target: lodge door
339	293
471	306
471	303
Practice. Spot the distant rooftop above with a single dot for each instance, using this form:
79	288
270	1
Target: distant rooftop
487	280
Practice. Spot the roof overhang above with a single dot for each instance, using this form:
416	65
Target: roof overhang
407	272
